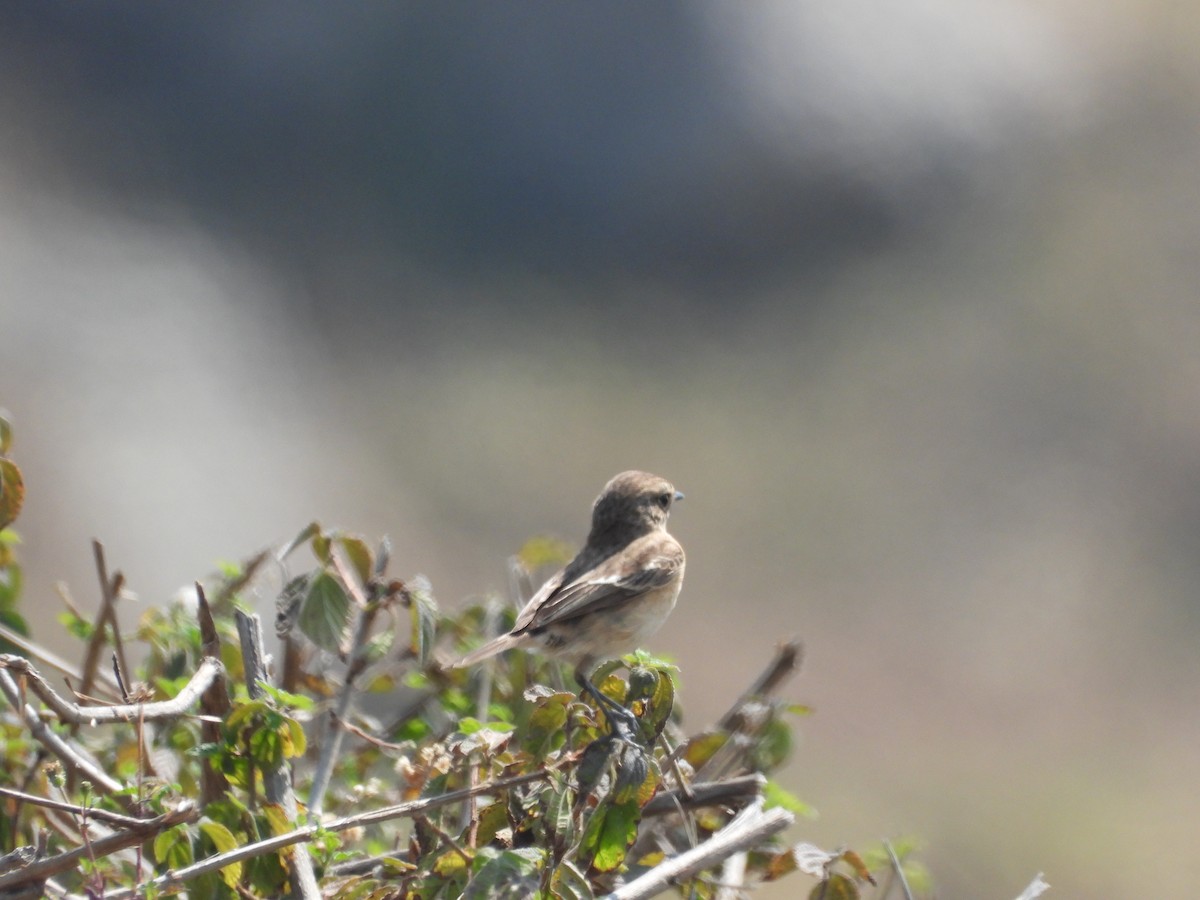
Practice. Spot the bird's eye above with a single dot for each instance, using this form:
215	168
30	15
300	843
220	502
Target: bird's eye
664	500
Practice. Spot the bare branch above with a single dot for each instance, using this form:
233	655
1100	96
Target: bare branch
100	815
214	703
748	828
707	793
72	757
18	859
42	869
209	671
49	657
110	589
364	618
782	666
898	869
308	832
733	877
277	782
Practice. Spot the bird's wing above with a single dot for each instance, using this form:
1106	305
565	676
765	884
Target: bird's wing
650	562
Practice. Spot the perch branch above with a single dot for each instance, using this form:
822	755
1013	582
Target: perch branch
748	828
210	669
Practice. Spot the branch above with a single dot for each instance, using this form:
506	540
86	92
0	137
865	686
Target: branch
747	829
44	868
53	660
277	782
109	591
308	832
782	666
89	812
73	758
749	714
210	669
706	793
214	703
364	617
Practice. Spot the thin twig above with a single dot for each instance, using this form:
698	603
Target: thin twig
74	758
748	828
308	832
51	659
898	869
364	618
101	815
372	740
107	617
105	846
209	671
249	570
782	666
277	782
446	839
749	714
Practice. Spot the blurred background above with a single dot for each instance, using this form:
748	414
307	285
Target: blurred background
902	295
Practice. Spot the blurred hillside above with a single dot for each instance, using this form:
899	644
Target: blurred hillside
903	298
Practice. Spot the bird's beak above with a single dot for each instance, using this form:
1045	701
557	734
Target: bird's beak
678	496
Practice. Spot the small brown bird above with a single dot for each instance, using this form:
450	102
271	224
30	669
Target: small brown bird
616	592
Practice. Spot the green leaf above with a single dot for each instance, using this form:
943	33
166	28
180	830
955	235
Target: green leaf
322	546
245	710
5	436
277	818
774	795
614	834
223	839
306	533
492	818
286	699
324	612
79	628
652	694
12	492
569	883
424	613
544	552
509	873
702	747
294	740
558	803
546	723
773	747
359	554
836	887
173	847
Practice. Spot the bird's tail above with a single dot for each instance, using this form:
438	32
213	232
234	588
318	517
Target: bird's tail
488	650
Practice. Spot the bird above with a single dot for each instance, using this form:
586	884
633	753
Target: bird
617	591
